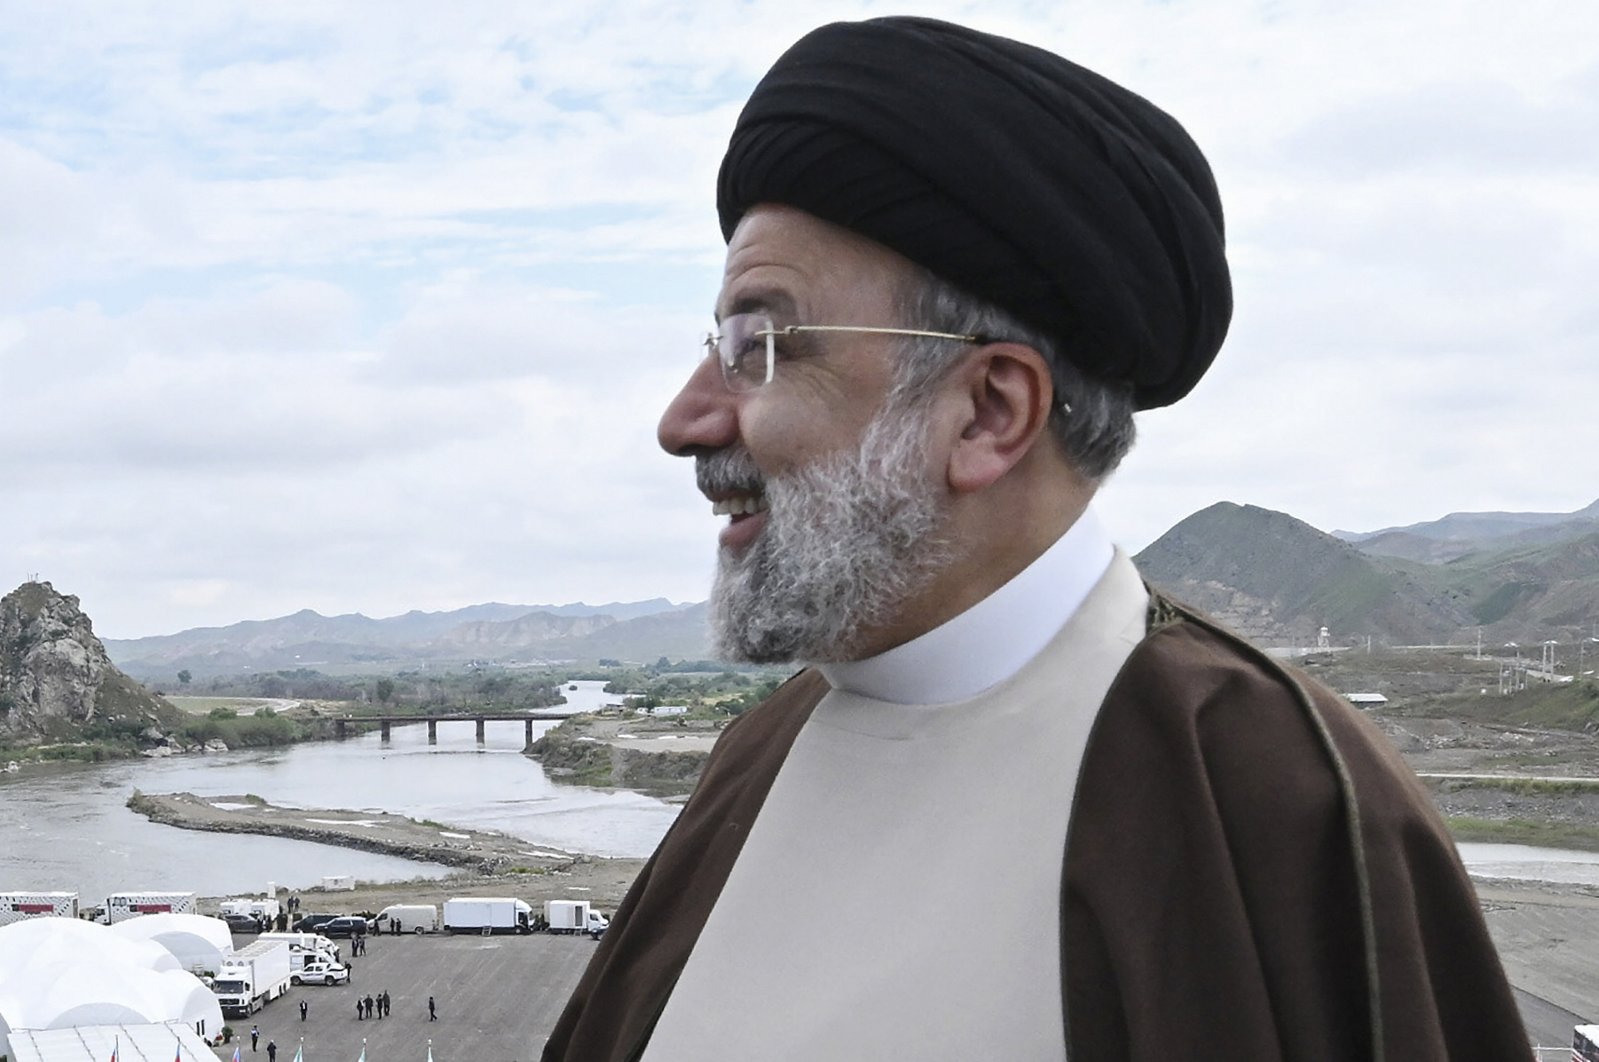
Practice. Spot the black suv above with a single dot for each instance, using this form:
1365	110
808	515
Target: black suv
344	926
242	923
312	922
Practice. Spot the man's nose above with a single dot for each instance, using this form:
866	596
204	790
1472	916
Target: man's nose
702	417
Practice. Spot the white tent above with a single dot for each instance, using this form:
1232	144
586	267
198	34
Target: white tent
48	940
138	1042
63	973
198	942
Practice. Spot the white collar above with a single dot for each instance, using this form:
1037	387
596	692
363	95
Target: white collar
992	640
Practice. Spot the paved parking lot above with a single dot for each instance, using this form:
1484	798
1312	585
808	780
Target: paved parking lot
498	997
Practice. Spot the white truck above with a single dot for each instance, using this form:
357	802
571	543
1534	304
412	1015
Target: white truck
121	906
574	916
408	918
252	977
317	970
487	914
306	947
17	906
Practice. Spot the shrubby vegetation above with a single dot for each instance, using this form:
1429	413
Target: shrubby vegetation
264	729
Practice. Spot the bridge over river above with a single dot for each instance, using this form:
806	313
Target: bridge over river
387	722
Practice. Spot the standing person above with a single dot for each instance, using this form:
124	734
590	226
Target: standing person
360	1009
272	1051
384	1001
956	267
433	1014
255	1035
369	1006
304	1007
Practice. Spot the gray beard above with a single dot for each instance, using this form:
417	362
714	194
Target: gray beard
849	539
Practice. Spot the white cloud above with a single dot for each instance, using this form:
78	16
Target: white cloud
371	307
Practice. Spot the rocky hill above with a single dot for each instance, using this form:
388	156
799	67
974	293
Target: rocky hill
56	682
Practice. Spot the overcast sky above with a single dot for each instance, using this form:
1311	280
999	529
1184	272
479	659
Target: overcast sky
372	307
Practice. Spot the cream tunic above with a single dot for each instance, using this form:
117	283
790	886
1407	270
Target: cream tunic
899	893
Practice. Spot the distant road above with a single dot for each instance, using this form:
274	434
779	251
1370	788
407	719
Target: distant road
1446	775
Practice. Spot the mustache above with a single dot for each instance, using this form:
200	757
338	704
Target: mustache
730	470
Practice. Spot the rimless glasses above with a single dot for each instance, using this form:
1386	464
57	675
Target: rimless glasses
746	346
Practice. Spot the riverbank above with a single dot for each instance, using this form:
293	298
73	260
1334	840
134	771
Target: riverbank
488	862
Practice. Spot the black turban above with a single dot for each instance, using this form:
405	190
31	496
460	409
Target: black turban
1009	172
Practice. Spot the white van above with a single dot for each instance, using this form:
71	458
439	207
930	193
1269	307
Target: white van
408	918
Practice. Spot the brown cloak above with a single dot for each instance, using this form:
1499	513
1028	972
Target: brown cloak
1250	873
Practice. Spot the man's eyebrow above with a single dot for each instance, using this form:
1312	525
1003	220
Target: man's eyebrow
773	301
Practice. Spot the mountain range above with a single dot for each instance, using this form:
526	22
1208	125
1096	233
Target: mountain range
1522	577
500	633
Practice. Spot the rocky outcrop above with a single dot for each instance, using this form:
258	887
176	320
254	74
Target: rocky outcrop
56	682
570	753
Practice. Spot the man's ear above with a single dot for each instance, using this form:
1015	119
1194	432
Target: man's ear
1006	393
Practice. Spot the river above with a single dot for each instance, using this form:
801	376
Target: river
66	827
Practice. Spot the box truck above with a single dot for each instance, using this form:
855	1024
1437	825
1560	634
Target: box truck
487	914
16	906
408	918
252	977
306	947
574	916
121	906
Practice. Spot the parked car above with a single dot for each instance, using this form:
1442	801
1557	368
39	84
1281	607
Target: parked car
309	923
243	923
344	926
321	972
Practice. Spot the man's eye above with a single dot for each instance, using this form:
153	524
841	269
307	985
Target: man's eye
750	349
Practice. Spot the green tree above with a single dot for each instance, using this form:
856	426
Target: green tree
184	677
385	689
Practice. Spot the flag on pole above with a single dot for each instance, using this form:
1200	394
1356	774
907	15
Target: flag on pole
363	1050
235	1054
430	1051
299	1052
116	1048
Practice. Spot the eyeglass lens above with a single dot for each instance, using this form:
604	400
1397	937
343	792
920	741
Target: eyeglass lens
745	349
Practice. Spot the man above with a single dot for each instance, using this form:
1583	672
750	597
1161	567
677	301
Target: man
1019	806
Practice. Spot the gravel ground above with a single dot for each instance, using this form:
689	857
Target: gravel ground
497	1000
